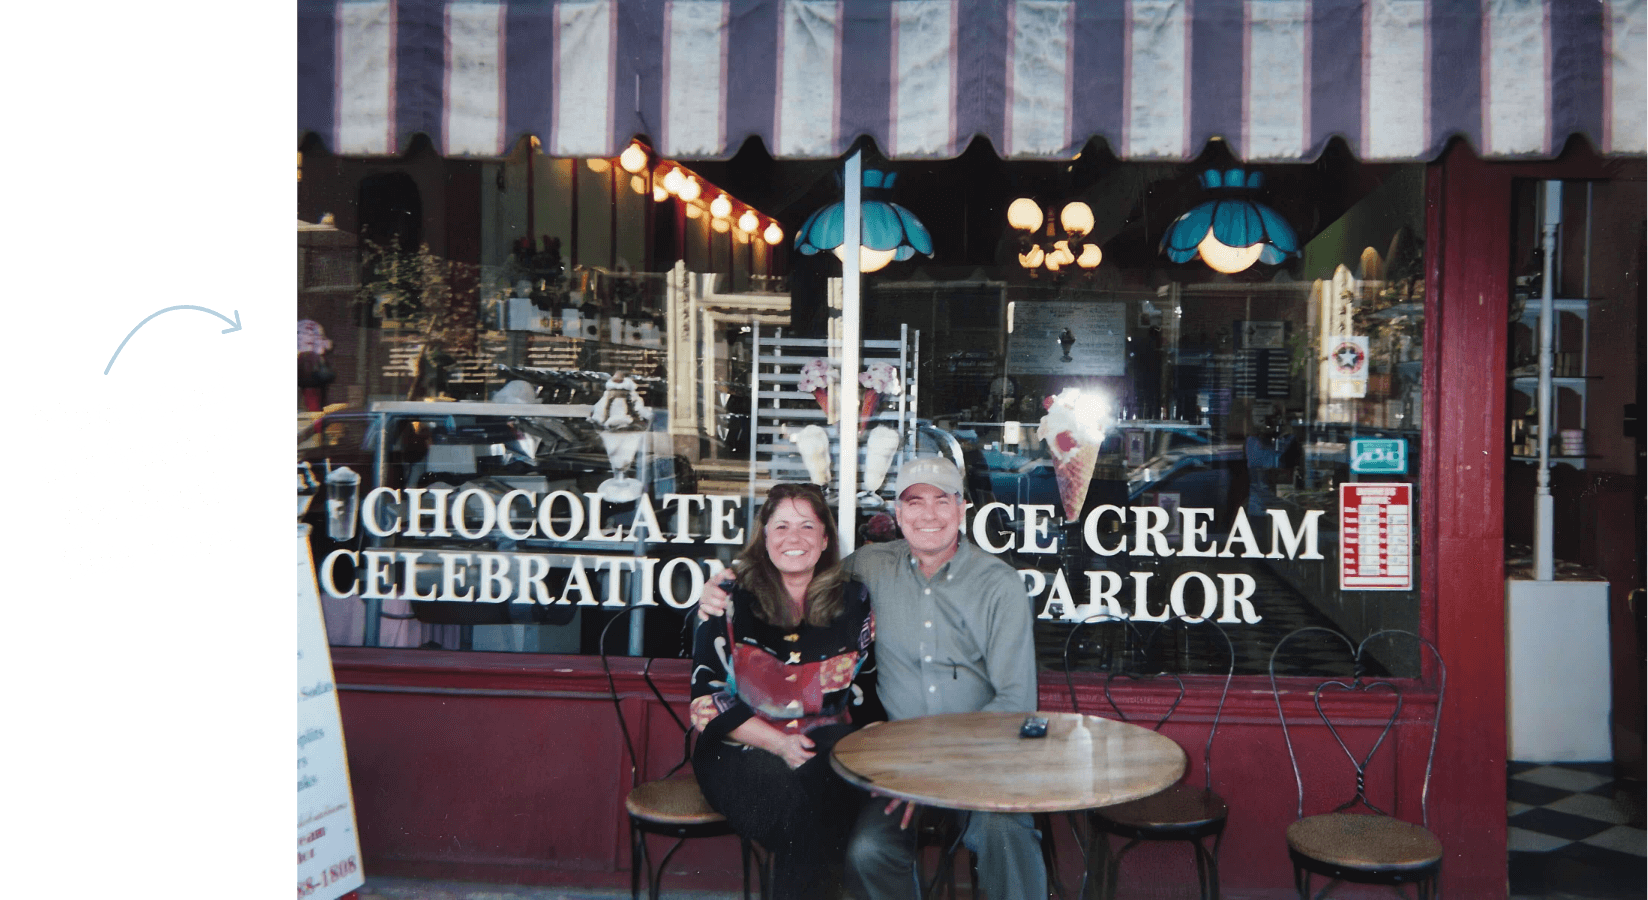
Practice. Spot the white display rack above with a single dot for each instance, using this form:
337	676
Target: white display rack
779	407
1577	382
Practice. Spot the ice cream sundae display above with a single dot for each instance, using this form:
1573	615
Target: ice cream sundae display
878	380
814	443
879	448
624	419
1073	429
819	379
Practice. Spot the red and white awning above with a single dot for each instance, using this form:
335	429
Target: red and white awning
1276	79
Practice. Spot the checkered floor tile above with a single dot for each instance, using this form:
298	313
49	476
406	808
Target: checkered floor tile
1574	831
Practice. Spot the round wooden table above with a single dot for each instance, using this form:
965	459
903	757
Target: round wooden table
977	761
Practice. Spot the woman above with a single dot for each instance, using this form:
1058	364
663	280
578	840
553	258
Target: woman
776	682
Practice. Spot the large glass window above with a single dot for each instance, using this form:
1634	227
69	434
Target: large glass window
573	401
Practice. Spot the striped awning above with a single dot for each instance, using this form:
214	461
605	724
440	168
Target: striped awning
1156	79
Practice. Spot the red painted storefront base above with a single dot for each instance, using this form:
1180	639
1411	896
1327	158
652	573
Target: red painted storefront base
511	770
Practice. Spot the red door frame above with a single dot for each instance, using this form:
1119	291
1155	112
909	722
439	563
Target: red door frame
1468	227
1469	221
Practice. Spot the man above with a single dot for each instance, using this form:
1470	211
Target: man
953	634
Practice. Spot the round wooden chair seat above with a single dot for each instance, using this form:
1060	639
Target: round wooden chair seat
672	801
1180	807
1365	842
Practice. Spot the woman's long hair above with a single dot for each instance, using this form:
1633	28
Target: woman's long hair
757	574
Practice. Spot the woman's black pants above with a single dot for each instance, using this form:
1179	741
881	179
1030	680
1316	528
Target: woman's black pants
801	816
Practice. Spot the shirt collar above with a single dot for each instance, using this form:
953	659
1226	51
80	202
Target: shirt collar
947	571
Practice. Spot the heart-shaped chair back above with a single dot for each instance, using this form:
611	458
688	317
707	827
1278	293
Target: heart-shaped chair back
1161	653
1362	685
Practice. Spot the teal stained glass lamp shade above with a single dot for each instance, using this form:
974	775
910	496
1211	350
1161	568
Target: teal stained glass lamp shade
889	231
1232	231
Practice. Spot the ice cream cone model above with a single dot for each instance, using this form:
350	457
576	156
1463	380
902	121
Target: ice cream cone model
1073	429
879	380
814	444
819	379
879	448
867	407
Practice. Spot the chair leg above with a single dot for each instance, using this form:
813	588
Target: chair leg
1096	862
637	850
1049	854
1097	883
1198	855
1115	864
1213	863
656	876
766	872
744	855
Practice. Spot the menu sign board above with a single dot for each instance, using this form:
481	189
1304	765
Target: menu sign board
1376	537
328	845
1067	338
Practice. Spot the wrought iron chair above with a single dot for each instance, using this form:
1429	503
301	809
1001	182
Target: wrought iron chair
1184	812
935	828
673	805
1369	847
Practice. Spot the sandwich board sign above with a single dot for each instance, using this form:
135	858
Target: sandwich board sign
328	844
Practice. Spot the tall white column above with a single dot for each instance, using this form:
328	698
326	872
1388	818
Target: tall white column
847	395
1544	504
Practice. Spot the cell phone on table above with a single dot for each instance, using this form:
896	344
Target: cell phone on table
1034	727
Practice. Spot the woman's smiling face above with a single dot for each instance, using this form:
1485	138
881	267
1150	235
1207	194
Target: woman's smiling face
795	537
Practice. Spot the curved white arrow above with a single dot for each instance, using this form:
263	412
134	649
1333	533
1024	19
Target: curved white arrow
234	325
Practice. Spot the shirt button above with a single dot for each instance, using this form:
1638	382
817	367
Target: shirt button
932	688
927	624
927	591
926	659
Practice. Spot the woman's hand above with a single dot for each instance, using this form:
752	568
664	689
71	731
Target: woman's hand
712	601
794	749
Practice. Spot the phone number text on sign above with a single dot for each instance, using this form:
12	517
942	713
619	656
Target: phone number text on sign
336	872
1376	537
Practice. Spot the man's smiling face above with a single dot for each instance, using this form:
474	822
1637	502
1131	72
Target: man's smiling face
929	517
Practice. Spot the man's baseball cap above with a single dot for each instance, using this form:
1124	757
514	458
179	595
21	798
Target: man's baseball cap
934	470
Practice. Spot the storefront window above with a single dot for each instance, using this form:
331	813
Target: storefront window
574	402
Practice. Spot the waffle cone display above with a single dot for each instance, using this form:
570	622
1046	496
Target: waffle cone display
826	402
1075	472
872	399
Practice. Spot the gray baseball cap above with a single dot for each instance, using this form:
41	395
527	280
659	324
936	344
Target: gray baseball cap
934	470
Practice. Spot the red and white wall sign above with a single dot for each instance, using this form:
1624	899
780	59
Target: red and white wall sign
1376	537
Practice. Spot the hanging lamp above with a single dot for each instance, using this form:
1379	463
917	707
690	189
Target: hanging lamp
1231	231
889	231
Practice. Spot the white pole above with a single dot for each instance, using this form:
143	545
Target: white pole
847	394
1544	504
